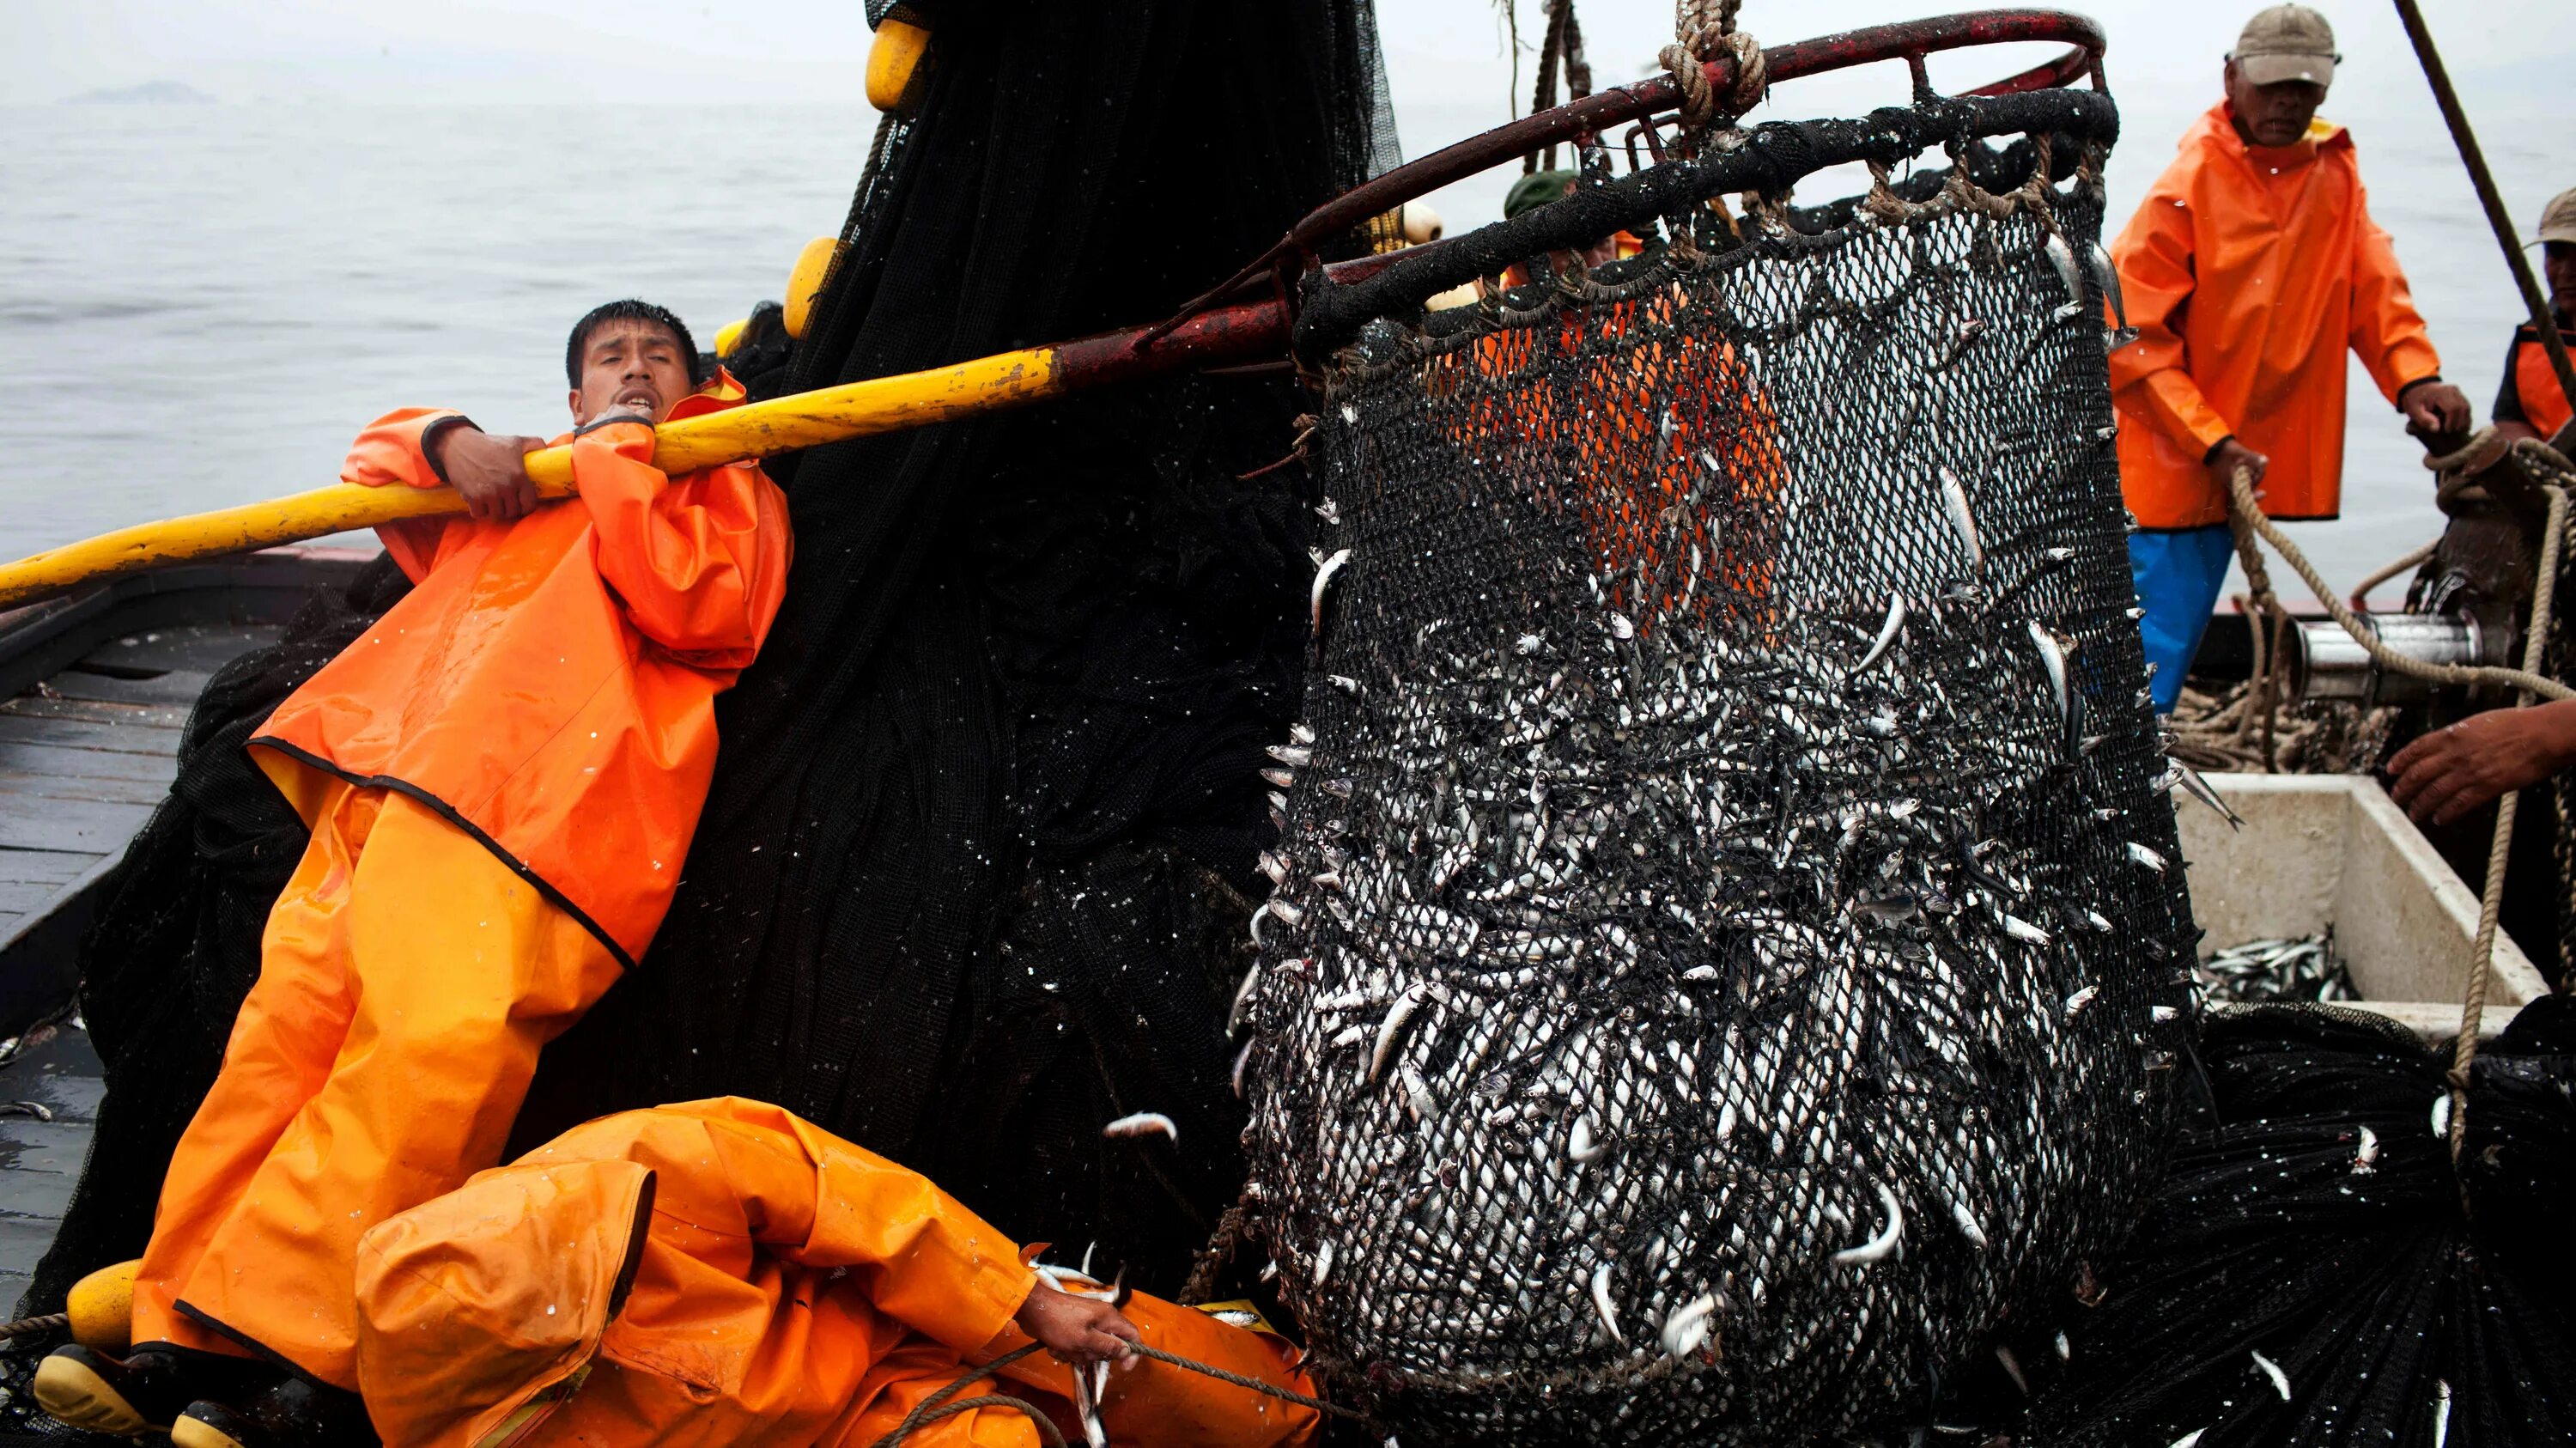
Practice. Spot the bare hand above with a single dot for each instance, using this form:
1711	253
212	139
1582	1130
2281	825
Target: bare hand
2450	772
1076	1329
2436	407
2230	456
490	470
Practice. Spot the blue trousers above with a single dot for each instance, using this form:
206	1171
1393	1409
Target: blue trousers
2178	576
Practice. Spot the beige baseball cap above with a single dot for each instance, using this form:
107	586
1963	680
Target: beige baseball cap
2558	219
2286	42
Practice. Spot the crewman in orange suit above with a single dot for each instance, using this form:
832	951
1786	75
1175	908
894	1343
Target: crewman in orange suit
722	1272
501	778
2532	404
2249	268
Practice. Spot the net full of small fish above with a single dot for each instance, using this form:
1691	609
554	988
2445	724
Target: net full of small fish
1728	947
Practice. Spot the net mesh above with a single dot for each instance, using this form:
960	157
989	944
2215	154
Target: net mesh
1724	898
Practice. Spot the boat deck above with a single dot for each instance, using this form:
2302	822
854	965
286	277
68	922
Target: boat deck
49	1098
94	692
87	752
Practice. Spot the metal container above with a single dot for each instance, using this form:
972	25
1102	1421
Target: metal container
2328	663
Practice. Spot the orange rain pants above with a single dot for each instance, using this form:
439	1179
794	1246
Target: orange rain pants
407	979
724	1273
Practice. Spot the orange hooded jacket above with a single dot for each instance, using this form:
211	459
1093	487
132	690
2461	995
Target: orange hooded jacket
2247	271
722	1272
549	686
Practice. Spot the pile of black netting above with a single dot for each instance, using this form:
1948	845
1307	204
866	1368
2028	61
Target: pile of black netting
1727	952
2308	1276
176	945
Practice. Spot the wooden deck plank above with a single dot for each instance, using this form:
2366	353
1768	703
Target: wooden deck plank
154	739
17	789
92	711
205	646
74	762
72	825
175	688
40	1161
45	867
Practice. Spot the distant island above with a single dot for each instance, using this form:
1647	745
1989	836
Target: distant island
150	93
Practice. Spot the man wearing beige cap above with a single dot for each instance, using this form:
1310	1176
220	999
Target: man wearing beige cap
2250	266
2532	403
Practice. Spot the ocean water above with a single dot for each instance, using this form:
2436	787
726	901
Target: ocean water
200	304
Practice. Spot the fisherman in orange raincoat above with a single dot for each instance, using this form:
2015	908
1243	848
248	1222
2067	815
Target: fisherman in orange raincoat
2531	403
722	1272
502	778
2248	269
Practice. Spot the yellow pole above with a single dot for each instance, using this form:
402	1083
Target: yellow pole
856	409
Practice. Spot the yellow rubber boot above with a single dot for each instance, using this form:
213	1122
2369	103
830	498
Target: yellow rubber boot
102	1308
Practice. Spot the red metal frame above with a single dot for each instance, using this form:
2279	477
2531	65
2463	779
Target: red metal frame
1578	121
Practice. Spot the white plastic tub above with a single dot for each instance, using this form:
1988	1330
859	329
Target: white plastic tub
2320	850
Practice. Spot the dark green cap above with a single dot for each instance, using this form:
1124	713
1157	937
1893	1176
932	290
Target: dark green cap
1538	188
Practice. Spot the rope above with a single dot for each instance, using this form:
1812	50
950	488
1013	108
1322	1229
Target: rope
1702	31
30	1326
2361	591
1272	1390
2491	904
937	1405
2241	501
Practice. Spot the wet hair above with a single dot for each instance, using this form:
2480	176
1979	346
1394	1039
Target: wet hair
629	310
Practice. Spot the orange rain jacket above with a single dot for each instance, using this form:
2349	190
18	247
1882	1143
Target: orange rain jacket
2533	383
722	1272
549	687
2247	271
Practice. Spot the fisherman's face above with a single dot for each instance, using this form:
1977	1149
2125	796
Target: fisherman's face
632	363
2275	114
2558	264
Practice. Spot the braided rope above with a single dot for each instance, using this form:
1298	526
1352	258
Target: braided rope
938	1405
31	1326
1272	1390
2491	904
2242	505
2360	595
1702	31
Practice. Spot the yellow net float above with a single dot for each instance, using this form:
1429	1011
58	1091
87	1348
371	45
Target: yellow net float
899	67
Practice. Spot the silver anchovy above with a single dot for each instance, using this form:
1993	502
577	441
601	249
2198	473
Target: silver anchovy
2154	862
2272	1370
1688	1326
1886	632
1324	581
1143	1123
1601	1303
2061	255
2199	789
1879	1247
1954	498
1393	1026
2107	277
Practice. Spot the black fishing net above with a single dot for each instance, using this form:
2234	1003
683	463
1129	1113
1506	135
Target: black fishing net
1729	951
972	876
176	945
2308	1276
